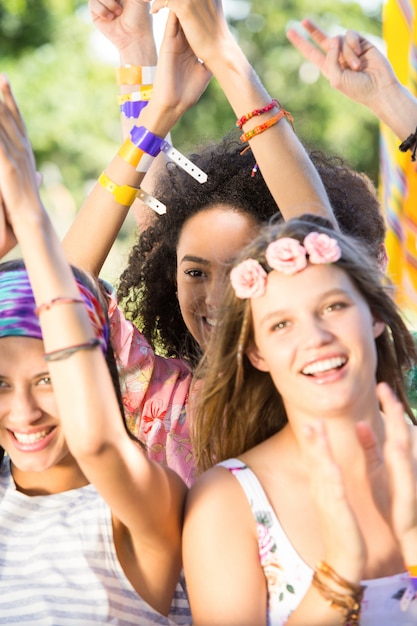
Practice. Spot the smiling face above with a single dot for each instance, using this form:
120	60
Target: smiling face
30	430
314	334
208	242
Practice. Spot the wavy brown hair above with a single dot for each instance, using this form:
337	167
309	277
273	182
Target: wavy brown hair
238	406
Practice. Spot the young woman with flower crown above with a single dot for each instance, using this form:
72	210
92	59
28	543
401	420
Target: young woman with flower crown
312	520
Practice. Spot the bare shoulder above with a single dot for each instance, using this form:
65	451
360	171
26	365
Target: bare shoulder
220	545
217	495
216	486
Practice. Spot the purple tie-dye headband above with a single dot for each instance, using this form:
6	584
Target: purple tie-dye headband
17	308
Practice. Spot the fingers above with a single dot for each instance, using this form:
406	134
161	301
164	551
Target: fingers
398	445
352	50
317	35
157	5
401	465
106	9
371	448
307	49
343	542
326	475
10	102
397	431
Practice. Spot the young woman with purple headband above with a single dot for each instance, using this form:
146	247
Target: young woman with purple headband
312	519
90	528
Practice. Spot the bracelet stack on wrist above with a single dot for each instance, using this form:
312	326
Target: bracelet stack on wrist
153	145
348	602
262	127
142	76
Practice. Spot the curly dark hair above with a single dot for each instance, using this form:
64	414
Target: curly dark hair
354	201
147	287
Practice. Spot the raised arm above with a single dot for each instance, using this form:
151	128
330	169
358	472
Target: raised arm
356	68
286	168
146	499
129	27
179	81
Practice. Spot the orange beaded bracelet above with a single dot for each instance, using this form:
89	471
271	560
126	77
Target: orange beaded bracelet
262	127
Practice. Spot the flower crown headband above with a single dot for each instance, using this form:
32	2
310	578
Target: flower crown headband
286	255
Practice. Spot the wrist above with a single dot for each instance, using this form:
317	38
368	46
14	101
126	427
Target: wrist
159	119
140	51
396	107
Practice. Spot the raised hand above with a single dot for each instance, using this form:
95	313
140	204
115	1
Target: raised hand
400	459
343	542
180	78
19	180
203	23
351	63
125	24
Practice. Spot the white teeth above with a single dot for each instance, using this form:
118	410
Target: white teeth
324	366
211	322
31	437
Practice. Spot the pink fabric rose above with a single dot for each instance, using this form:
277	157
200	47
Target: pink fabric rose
321	248
248	279
286	255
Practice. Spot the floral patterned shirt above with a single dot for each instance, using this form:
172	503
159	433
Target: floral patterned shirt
155	395
289	577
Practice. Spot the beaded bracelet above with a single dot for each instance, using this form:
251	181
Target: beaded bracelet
349	604
408	143
245	118
153	145
64	353
59	300
262	127
125	194
135	74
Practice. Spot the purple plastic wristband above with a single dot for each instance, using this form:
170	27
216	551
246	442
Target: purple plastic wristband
133	109
147	141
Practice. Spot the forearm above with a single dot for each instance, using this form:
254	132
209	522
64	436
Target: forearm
286	168
95	228
137	53
397	108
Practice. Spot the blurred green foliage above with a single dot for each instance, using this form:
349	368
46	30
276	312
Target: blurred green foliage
323	117
67	93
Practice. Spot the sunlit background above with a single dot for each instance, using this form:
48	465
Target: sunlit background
62	71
